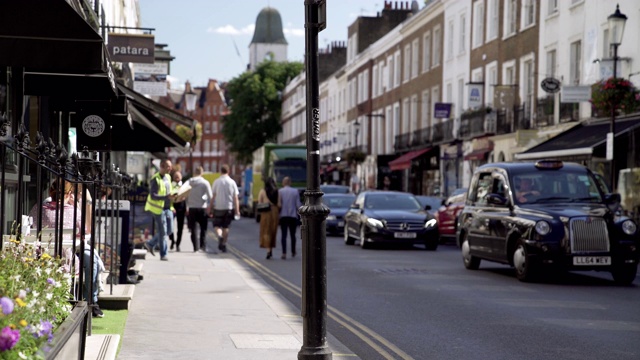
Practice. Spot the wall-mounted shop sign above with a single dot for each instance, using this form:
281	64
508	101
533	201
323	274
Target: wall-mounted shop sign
442	110
550	85
150	79
137	48
575	94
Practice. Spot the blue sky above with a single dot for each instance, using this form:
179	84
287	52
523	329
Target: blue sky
201	33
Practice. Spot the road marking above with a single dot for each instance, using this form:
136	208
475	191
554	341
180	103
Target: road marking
347	322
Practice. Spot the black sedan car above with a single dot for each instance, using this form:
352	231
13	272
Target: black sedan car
334	189
547	214
389	217
339	204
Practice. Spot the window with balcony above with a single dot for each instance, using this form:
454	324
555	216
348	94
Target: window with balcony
478	23
426	52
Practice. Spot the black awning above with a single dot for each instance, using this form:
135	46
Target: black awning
74	86
144	121
52	35
156	107
580	140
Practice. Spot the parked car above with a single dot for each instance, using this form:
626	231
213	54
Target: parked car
339	204
543	214
334	189
389	217
434	203
447	214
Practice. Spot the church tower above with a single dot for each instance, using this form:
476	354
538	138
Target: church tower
268	39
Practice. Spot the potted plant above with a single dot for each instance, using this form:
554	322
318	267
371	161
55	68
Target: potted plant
34	300
614	94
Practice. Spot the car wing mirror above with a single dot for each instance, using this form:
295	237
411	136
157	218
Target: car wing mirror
427	207
497	199
612	201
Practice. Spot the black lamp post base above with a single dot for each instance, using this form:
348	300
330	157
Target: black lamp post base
314	353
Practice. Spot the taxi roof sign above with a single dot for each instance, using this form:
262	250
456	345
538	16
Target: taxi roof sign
549	164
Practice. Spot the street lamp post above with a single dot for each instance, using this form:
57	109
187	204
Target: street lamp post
356	127
313	212
616	22
190	101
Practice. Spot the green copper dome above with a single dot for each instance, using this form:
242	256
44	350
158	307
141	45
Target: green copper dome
269	28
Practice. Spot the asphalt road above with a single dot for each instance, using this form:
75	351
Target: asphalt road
388	303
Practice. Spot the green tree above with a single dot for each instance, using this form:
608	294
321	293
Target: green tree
256	106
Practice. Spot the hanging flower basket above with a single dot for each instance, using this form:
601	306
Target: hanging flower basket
616	94
355	156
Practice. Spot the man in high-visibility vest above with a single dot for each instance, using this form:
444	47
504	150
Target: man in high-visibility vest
159	205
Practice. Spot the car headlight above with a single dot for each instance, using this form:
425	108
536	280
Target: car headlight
430	223
629	227
331	217
543	227
375	223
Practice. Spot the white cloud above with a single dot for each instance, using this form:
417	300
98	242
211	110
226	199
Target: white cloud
232	30
293	32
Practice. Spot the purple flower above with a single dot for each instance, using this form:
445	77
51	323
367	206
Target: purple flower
8	338
7	305
44	329
51	281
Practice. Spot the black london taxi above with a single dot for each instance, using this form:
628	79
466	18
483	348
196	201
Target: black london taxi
546	215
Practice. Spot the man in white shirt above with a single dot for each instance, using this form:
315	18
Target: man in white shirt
197	204
225	205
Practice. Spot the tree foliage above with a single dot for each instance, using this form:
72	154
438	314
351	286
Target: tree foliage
256	107
186	134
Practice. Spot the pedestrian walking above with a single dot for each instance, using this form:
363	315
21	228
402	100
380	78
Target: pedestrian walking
288	202
181	210
269	218
159	205
224	205
197	204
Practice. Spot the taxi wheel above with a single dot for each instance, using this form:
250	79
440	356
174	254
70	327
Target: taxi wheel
624	274
348	240
470	262
363	242
525	268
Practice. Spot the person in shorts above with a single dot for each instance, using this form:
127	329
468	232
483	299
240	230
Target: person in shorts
224	206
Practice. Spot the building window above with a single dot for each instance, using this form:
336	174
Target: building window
407	63
214	145
221	109
360	87
437	41
492	77
414	58
552	7
214	127
435	97
575	61
214	166
207	166
527	82
493	19
528	13
381	69
365	87
207	146
397	70
450	41
208	110
426	52
463	34
511	16
478	23
388	122
390	71
405	117
461	96
414	113
207	126
551	63
215	111
374	86
426	114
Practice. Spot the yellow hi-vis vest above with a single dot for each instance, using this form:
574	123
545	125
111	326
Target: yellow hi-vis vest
156	206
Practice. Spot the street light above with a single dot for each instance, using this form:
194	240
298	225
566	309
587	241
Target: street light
616	22
190	98
356	127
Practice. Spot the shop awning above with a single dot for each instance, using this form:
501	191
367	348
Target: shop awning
155	107
148	134
580	140
52	35
100	86
404	162
477	154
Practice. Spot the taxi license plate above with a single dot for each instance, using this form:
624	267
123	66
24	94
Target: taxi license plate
340	223
591	260
404	235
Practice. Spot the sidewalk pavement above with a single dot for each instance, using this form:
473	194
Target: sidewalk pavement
211	306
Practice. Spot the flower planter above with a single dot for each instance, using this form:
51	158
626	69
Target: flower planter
70	337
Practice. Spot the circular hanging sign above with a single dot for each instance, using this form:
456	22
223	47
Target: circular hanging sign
93	125
550	85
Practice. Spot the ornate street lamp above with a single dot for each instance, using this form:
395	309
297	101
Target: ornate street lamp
190	98
616	22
